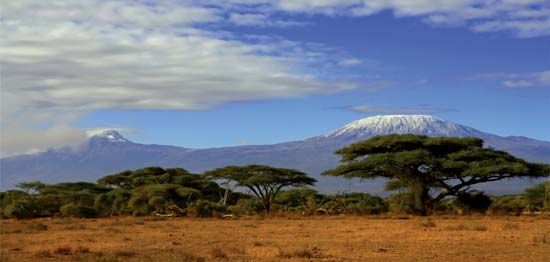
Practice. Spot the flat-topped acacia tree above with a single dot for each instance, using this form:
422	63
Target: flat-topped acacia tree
264	182
447	166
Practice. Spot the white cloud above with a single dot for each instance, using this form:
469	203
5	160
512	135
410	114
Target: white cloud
65	58
519	80
523	18
261	20
397	110
27	140
524	28
349	62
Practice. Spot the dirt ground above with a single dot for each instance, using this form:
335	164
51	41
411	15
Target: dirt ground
397	238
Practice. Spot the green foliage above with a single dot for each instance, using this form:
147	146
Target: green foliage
536	196
420	163
264	182
364	204
204	208
469	202
8	200
508	205
31	187
22	209
247	206
155	175
74	210
401	203
177	192
114	202
294	199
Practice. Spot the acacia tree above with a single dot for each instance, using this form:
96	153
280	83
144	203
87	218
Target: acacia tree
264	182
447	166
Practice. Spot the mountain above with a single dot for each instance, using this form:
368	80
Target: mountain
109	152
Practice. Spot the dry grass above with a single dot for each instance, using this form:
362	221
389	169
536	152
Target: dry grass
428	223
510	226
341	238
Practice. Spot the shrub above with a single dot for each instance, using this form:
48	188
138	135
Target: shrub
507	205
247	206
365	204
535	196
401	203
204	208
294	199
73	210
476	202
21	209
8	199
157	202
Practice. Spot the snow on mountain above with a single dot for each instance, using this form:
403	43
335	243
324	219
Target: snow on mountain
109	135
402	124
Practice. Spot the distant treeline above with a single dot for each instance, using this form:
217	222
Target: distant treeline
427	175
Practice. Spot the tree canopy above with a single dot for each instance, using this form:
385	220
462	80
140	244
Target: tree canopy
265	182
448	166
153	189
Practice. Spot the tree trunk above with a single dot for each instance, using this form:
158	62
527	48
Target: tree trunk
267	206
226	193
421	197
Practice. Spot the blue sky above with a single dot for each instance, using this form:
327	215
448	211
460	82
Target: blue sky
205	74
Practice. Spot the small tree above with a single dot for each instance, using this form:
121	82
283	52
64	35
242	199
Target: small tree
447	166
264	182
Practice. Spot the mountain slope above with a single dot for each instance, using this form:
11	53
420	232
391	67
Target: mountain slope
109	152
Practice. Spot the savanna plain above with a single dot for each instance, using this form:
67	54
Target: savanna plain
320	238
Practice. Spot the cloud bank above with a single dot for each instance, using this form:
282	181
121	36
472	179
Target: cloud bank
66	58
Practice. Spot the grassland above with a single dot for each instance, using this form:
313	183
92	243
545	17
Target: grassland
273	239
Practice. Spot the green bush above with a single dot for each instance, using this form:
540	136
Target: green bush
507	205
364	204
157	202
75	210
295	199
21	209
8	199
536	196
401	203
204	208
247	207
473	202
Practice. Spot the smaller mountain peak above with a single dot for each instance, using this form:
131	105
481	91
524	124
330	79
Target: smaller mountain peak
110	135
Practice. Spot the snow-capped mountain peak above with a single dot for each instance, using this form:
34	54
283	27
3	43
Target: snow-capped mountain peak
111	136
401	124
